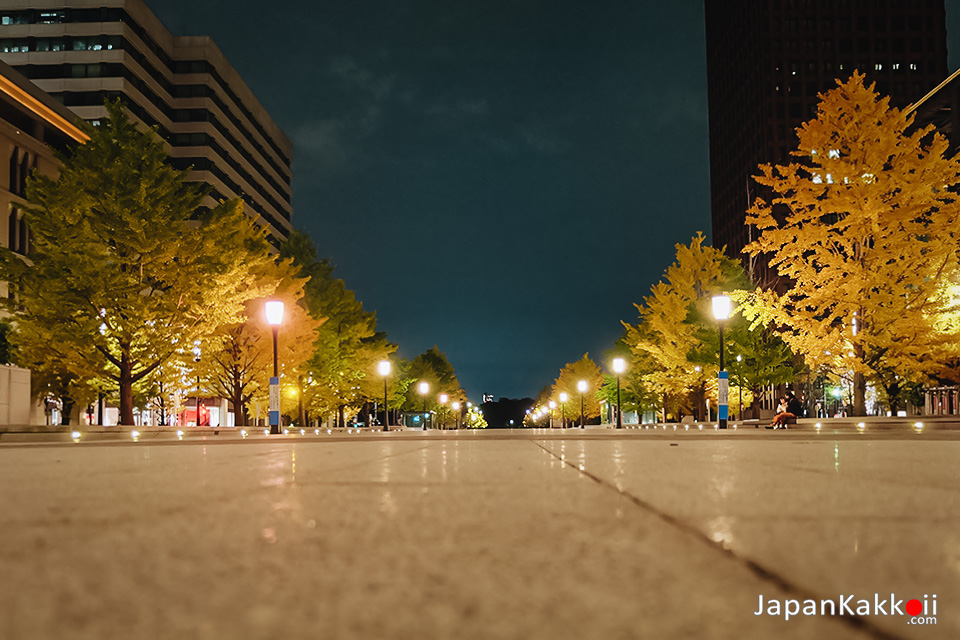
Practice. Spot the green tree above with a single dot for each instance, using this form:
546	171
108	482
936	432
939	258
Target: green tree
433	367
636	393
118	277
238	360
342	369
865	226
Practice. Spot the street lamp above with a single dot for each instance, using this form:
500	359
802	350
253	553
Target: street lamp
443	410
456	407
563	408
740	386
196	358
619	366
274	313
384	369
552	405
721	311
423	389
582	388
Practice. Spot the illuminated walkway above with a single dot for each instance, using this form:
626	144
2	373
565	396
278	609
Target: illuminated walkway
502	535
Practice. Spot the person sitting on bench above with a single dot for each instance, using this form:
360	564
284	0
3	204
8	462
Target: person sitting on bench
788	411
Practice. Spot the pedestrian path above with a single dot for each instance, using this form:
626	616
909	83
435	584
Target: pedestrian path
579	534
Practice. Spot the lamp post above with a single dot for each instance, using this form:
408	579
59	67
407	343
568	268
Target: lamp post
456	408
384	368
582	388
196	358
721	311
274	313
423	389
443	410
563	409
740	386
619	366
552	405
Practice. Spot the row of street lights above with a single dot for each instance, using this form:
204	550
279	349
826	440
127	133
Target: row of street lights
722	306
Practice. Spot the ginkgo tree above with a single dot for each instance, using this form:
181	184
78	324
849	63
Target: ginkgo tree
567	382
240	355
864	224
126	269
342	367
665	339
675	343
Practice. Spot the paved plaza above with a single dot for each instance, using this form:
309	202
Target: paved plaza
524	534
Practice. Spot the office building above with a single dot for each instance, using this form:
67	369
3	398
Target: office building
83	52
32	126
767	61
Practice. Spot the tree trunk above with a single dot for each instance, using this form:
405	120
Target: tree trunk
66	403
239	410
859	386
126	389
341	423
300	416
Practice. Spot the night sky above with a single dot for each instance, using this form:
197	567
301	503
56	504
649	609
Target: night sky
501	178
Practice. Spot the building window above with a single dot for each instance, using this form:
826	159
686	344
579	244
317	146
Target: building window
12	229
23	238
51	17
14	171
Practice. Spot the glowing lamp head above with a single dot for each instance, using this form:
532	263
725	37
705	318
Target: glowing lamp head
443	398
384	367
582	386
423	388
563	396
619	365
553	405
274	311
722	307
455	406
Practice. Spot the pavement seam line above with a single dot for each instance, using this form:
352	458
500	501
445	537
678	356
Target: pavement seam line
757	569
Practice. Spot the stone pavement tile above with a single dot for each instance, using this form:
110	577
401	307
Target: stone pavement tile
832	516
376	539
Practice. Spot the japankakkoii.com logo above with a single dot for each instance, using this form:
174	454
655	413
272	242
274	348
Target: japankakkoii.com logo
918	612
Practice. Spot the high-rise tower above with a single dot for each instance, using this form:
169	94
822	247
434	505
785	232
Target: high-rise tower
766	62
83	52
